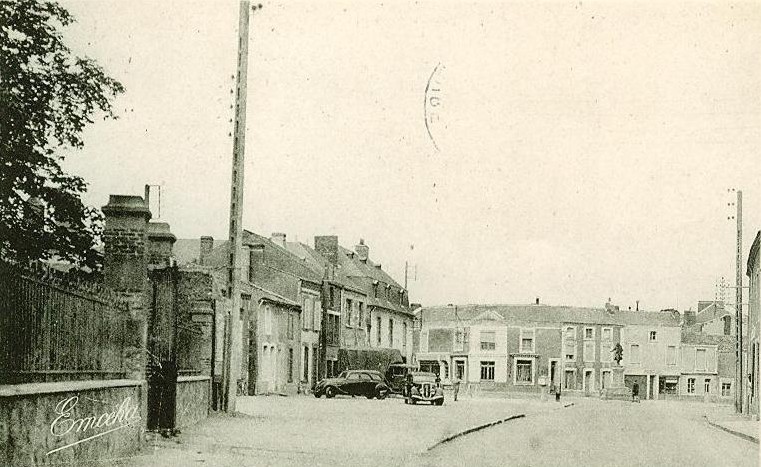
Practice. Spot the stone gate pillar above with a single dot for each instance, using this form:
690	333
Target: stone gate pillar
125	268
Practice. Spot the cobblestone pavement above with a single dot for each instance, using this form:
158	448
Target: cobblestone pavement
604	433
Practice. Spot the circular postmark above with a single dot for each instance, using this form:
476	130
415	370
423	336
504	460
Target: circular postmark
433	102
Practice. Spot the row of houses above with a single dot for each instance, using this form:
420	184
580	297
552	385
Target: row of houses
523	348
308	311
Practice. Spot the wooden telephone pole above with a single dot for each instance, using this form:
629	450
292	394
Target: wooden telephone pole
233	336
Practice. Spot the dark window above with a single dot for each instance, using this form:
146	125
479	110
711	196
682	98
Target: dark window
290	365
487	371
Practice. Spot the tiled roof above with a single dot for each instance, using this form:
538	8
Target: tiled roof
366	268
653	318
318	262
545	314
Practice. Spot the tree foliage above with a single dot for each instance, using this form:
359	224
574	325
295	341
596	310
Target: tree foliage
47	97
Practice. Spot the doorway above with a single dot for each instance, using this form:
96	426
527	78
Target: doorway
569	381
589	381
459	369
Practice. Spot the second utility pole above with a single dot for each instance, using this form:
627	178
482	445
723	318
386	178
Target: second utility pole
233	337
739	305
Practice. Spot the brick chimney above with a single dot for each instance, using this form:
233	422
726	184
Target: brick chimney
160	243
327	247
689	318
278	238
363	251
207	245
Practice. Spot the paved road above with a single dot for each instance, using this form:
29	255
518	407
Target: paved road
356	432
331	432
604	433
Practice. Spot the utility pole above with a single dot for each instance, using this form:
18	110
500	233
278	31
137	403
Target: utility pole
738	303
233	337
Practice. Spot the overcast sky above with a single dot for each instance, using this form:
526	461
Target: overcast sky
584	149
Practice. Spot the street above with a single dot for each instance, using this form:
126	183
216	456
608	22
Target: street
603	433
344	431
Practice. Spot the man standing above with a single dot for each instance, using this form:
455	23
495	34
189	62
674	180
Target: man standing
557	393
456	384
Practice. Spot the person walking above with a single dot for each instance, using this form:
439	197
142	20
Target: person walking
635	392
456	385
557	393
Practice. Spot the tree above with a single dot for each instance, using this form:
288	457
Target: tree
47	97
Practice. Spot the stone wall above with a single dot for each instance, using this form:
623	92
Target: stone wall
193	399
106	420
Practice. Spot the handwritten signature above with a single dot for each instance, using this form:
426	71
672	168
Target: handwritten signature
124	415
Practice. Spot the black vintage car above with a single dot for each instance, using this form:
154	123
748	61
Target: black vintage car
425	387
368	383
396	376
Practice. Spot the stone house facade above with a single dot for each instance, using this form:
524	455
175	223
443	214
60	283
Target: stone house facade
753	325
651	343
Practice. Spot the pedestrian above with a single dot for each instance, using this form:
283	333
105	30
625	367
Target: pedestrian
408	387
557	393
635	392
456	384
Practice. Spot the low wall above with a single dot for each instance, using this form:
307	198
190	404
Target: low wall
193	399
71	422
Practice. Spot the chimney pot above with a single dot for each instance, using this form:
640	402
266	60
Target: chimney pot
278	238
363	251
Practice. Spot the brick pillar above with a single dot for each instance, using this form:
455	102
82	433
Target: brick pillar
126	269
160	243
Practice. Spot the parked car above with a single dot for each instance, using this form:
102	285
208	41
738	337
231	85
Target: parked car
396	375
425	388
368	383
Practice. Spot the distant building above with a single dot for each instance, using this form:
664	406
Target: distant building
651	342
707	365
714	318
519	348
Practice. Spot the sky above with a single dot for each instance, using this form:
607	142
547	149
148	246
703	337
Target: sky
574	151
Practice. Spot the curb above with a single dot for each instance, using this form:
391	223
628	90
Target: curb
481	427
744	436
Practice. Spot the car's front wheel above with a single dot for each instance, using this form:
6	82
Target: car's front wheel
439	402
381	393
317	394
330	392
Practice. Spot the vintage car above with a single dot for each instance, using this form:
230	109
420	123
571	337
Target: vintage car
368	383
424	388
396	375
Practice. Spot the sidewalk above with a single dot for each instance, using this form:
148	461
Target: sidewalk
738	425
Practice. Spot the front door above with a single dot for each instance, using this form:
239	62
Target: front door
554	379
589	382
570	380
459	369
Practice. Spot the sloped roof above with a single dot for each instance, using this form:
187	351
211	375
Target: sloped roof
317	261
546	314
366	268
753	253
652	318
284	258
186	250
519	313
